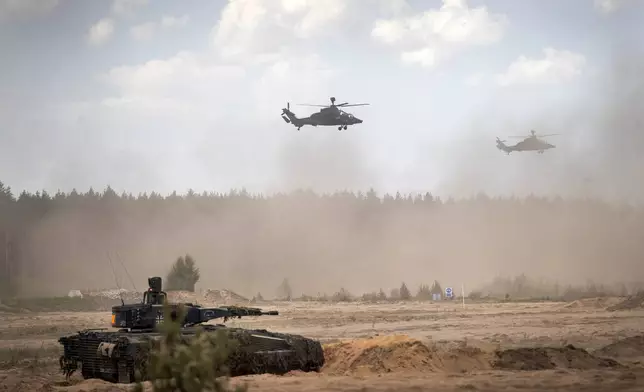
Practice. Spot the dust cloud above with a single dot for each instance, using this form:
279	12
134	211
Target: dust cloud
324	161
324	243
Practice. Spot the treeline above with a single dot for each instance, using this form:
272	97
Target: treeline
51	243
517	288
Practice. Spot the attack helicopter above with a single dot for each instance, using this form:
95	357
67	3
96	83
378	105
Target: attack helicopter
329	115
530	143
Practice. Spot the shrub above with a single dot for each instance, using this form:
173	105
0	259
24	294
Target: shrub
474	295
342	296
195	366
424	293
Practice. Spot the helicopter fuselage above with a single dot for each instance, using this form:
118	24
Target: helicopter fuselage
334	117
529	144
325	117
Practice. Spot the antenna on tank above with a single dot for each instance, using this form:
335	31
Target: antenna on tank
120	259
115	278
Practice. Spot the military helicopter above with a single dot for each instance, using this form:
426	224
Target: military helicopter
329	115
530	143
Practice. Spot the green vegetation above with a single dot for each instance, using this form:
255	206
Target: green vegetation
516	289
196	366
30	357
57	304
524	288
183	275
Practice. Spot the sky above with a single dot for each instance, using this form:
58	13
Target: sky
167	95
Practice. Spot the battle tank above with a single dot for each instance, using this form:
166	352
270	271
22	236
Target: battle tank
122	355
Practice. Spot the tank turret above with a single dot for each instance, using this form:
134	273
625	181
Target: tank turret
146	315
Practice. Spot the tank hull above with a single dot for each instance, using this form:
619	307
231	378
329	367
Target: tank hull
117	356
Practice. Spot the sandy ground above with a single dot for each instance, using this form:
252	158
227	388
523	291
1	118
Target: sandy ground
394	347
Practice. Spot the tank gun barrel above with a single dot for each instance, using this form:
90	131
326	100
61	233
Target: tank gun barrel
201	315
239	311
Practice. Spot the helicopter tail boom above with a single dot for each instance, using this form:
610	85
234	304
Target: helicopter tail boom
503	147
288	116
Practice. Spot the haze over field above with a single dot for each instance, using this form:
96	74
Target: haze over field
162	96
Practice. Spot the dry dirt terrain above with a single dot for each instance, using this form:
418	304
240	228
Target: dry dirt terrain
413	346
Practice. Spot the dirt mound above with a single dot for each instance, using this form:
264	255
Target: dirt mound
224	297
399	353
628	348
544	358
633	302
592	303
115	294
180	296
210	297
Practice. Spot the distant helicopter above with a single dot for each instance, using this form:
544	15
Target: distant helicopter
530	143
327	116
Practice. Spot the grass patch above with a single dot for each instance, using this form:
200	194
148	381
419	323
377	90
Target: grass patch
57	304
29	357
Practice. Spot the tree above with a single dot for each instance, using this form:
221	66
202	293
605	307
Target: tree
183	275
405	294
284	291
424	293
436	288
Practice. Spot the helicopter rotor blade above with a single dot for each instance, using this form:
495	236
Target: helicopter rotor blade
550	134
307	104
346	105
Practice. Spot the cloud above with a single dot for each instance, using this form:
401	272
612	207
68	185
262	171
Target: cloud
184	70
556	66
127	7
146	31
427	37
292	79
143	32
101	31
609	6
18	9
183	84
475	79
173	21
249	28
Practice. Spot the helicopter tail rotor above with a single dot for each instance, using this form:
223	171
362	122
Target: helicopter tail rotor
286	113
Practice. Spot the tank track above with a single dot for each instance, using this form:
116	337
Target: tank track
117	356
